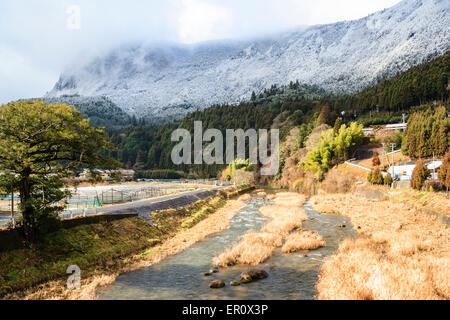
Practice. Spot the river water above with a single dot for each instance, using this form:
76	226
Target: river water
181	276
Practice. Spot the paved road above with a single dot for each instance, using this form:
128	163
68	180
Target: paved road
5	218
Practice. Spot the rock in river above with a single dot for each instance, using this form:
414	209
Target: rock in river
234	283
246	278
214	270
217	284
253	275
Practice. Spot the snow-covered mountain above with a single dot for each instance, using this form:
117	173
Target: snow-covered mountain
341	57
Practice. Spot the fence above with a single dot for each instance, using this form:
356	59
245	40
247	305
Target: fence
112	196
208	182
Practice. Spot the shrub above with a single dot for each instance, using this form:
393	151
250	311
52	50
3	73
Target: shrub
419	175
309	184
434	185
375	176
48	223
337	182
388	179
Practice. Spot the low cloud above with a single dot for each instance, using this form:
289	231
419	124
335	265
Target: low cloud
36	43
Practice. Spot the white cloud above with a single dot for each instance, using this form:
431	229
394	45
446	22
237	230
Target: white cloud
201	21
20	77
36	45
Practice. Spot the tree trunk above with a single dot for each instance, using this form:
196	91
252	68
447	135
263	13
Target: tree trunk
29	221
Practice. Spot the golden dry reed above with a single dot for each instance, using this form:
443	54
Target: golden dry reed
401	253
302	240
256	247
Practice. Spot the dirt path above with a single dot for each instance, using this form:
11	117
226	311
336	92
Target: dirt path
400	252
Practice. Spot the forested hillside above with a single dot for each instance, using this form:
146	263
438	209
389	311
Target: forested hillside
149	146
418	85
100	110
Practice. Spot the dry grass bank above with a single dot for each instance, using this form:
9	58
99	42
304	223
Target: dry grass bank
401	253
435	201
352	171
179	240
286	215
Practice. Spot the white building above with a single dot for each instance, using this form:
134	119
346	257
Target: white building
407	170
396	126
434	166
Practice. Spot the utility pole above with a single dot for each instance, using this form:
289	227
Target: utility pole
393	167
434	166
12	207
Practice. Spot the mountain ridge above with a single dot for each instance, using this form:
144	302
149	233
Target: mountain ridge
343	57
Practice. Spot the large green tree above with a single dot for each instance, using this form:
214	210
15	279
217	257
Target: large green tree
41	144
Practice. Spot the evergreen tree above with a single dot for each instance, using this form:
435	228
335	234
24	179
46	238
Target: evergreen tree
428	132
324	114
388	179
420	175
134	121
375	176
41	144
140	161
337	125
375	159
444	171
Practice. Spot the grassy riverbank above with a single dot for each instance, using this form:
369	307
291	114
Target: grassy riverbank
98	249
434	201
400	252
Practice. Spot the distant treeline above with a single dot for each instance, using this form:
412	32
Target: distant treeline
158	174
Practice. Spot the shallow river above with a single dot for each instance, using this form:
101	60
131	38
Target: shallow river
181	276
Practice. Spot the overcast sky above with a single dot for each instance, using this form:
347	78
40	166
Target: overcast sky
39	38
